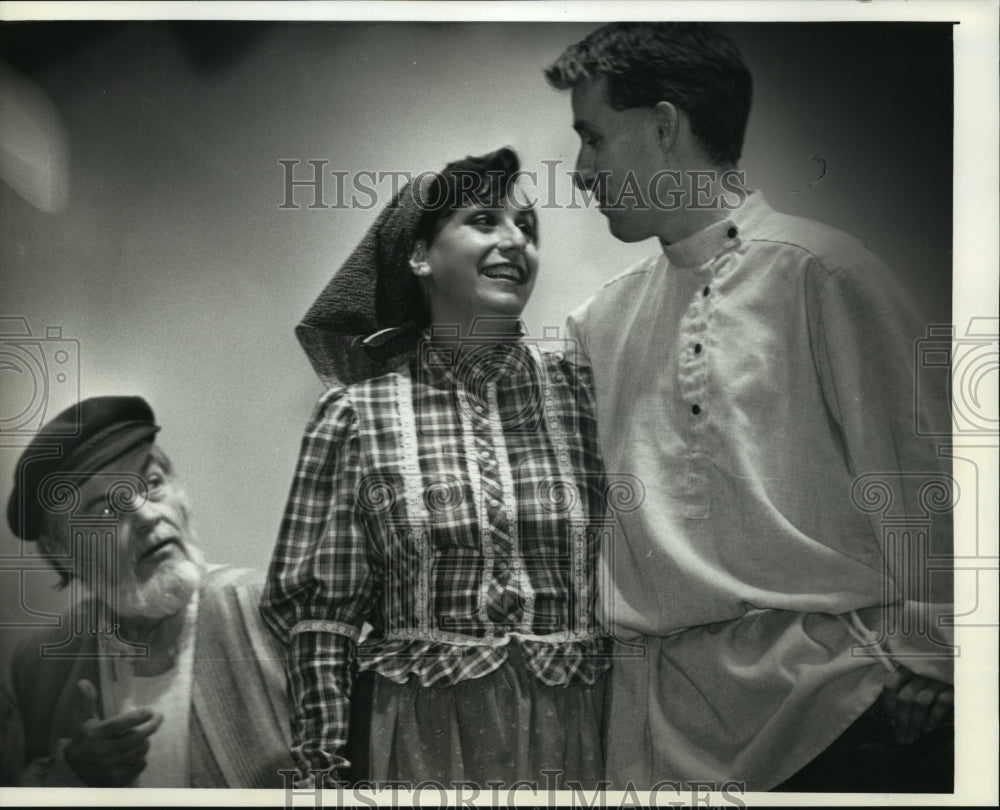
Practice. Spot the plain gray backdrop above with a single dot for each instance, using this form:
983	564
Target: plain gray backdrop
174	273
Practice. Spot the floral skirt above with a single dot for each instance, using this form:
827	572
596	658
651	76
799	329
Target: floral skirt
504	727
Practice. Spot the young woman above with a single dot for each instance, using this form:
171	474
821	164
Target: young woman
450	507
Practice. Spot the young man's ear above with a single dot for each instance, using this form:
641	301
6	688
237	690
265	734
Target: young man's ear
418	259
668	122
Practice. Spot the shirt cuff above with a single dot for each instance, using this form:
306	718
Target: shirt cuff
915	635
924	642
325	626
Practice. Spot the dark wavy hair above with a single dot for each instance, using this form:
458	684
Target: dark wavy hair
483	180
694	66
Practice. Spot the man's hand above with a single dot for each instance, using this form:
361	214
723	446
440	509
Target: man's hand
112	752
916	703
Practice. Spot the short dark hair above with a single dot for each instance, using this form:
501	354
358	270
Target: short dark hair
476	180
695	66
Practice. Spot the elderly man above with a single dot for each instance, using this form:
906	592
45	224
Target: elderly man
162	675
775	592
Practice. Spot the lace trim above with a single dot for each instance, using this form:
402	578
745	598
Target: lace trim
412	489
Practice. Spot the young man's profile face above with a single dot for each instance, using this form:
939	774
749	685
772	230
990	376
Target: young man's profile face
619	158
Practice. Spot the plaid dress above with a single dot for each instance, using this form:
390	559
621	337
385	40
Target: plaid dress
456	506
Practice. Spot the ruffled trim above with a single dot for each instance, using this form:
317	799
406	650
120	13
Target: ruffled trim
434	663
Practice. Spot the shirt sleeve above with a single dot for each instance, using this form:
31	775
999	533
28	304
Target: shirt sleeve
866	335
319	587
576	335
50	771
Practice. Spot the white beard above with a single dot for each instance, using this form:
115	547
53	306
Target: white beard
166	593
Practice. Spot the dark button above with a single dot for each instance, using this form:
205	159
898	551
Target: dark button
697	348
731	233
696	409
706	291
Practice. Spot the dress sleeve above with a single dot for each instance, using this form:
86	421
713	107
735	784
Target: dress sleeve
319	587
865	335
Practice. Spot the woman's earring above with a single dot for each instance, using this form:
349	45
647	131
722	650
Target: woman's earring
418	260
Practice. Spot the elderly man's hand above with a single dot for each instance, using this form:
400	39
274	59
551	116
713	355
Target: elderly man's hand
917	703
112	752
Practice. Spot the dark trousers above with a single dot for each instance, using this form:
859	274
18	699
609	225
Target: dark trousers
867	759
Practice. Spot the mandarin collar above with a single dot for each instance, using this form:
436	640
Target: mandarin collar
703	245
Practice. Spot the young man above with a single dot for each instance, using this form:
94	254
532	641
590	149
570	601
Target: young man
775	626
163	674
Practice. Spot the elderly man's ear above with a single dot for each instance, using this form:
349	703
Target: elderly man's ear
418	259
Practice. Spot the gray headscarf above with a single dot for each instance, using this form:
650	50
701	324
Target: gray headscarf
366	320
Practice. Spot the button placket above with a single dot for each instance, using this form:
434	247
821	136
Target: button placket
472	428
692	383
694	329
697	355
497	514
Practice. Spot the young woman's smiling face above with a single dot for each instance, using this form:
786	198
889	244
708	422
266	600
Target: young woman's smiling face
482	261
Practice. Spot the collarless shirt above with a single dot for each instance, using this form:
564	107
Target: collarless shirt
169	694
758	378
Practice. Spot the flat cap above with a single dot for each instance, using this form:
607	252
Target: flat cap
84	438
